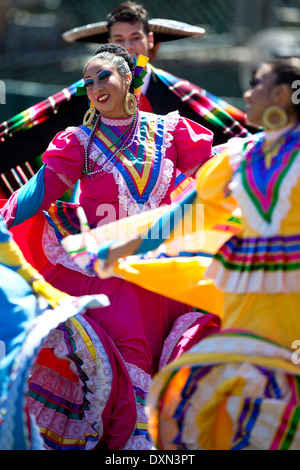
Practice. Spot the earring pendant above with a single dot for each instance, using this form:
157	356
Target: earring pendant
89	116
130	104
274	118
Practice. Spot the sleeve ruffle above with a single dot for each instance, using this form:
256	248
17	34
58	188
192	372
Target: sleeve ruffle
194	144
65	155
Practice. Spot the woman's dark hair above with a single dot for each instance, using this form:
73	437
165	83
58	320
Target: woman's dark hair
117	50
287	70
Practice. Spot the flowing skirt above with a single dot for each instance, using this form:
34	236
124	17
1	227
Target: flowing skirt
90	380
232	391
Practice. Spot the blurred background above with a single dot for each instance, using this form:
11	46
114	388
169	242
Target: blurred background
35	62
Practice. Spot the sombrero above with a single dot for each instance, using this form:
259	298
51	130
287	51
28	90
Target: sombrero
164	30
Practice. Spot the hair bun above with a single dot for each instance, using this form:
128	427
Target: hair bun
117	50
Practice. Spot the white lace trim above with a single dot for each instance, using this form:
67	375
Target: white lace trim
179	327
251	347
234	150
62	177
140	379
192	171
256	282
164	178
116	122
171	121
55	252
255	220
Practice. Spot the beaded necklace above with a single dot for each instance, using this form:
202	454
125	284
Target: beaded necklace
88	165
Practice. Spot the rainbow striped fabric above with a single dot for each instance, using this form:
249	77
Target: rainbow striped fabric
39	112
215	110
207	105
270	254
13	179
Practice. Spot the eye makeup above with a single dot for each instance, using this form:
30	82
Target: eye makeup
88	82
255	81
101	76
104	74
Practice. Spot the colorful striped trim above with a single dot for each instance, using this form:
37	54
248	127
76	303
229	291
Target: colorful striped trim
290	418
141	429
56	442
38	112
262	184
246	422
51	401
210	107
63	219
196	374
268	254
140	171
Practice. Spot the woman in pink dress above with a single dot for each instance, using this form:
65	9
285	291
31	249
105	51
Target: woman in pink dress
126	161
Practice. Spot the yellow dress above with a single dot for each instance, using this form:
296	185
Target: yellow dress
239	389
259	269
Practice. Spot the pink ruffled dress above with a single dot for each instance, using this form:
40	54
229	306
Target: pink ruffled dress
142	177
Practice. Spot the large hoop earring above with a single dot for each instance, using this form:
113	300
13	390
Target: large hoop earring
89	116
130	104
274	118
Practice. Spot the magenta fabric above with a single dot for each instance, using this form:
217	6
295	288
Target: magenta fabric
119	416
137	320
188	146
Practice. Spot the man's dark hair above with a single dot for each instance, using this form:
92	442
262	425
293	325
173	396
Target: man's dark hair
129	12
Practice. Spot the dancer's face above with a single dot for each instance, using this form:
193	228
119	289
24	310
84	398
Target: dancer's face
261	95
106	89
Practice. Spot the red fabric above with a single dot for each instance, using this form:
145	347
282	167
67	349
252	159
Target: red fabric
144	104
47	358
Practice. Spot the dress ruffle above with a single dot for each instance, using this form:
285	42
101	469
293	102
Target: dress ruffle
69	387
257	265
232	391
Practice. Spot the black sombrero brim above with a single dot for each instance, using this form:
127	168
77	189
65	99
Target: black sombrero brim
164	30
